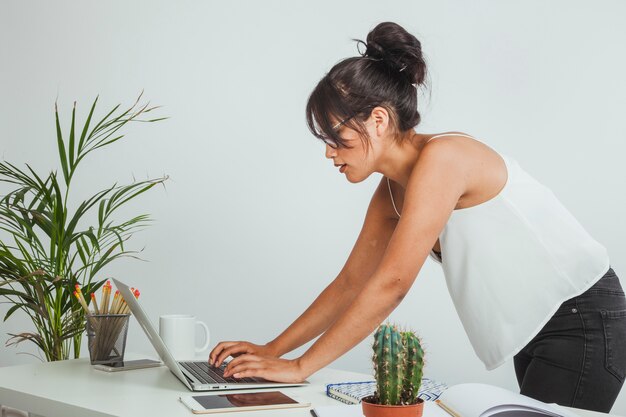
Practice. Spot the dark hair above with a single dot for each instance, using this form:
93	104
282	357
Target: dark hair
387	74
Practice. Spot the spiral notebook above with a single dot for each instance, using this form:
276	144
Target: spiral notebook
353	392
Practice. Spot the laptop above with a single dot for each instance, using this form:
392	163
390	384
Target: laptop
195	375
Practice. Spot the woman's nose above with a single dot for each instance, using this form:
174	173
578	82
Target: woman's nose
330	151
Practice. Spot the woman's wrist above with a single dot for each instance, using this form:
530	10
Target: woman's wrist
306	368
274	349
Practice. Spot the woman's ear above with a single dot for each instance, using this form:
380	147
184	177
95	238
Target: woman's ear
380	118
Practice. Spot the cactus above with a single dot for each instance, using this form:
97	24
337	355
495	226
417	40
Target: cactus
414	367
398	363
389	364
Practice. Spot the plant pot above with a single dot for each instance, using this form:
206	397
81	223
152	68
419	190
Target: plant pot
371	409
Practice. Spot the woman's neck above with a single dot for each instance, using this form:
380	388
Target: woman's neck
399	158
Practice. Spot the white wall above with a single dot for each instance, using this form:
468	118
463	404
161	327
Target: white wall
254	221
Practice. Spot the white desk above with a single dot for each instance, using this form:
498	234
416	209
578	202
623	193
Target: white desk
74	389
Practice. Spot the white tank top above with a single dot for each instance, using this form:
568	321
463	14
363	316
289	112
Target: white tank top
511	261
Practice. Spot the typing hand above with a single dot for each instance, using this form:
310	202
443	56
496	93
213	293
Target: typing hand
225	349
270	368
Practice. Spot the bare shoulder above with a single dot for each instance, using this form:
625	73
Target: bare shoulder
482	168
457	145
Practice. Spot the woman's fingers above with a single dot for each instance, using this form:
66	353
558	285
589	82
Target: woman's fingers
233	349
258	372
239	360
242	363
218	350
270	368
229	351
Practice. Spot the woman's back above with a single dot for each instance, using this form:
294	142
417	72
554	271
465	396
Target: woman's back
513	258
486	177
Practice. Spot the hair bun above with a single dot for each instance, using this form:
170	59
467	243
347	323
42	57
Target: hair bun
391	43
374	50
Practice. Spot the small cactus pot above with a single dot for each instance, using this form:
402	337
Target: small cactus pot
371	409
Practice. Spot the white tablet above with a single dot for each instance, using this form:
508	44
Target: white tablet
224	403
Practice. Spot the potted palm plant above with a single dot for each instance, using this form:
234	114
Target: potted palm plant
398	367
45	246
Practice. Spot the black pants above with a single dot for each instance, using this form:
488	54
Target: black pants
579	358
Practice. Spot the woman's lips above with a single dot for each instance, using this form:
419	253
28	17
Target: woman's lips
342	168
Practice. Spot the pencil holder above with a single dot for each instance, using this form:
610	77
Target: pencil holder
106	335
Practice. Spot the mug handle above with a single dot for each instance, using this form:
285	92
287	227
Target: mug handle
206	333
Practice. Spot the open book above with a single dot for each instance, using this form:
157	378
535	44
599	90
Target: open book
481	400
470	400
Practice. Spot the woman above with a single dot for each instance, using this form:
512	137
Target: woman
527	281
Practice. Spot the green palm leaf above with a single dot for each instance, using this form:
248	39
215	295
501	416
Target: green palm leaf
44	250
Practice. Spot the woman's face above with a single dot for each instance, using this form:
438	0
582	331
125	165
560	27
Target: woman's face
357	162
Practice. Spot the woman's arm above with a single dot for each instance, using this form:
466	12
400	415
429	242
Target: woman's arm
337	297
433	190
367	252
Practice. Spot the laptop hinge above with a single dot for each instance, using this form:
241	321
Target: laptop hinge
190	377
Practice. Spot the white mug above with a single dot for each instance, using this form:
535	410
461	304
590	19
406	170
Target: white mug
178	332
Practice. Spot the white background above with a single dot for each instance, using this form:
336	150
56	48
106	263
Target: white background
254	222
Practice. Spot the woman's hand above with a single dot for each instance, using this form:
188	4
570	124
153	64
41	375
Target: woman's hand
225	349
270	368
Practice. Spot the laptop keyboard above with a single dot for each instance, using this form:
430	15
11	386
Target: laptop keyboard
211	374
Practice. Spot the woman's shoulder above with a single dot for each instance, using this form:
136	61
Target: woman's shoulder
451	148
459	145
456	137
484	170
